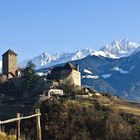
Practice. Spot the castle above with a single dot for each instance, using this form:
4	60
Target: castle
64	75
9	64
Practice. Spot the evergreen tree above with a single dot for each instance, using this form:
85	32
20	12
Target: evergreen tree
29	76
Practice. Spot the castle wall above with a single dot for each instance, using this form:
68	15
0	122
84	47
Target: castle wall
74	78
12	63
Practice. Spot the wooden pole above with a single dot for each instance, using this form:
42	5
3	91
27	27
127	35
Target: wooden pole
38	125
18	127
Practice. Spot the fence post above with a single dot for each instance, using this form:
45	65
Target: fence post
18	127
38	125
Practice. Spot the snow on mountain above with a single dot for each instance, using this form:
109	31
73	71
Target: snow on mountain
121	48
120	70
45	60
87	71
116	49
90	76
82	53
106	76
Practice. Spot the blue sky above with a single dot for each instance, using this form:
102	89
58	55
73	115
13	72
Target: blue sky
30	27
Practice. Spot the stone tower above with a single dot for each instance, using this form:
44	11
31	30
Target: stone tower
9	64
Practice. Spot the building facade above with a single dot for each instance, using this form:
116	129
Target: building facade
66	75
9	64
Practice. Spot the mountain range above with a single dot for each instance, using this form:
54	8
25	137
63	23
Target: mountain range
113	69
116	49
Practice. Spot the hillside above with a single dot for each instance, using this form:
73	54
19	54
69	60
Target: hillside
103	118
70	117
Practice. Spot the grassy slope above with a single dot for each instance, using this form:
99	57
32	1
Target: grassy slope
121	105
106	118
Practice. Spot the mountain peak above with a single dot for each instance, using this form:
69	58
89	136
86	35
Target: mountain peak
120	48
81	53
124	40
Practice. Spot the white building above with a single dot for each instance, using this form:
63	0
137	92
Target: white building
55	92
51	92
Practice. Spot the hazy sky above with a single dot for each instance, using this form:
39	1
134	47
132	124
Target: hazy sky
30	27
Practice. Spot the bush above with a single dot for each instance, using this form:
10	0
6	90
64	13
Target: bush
3	136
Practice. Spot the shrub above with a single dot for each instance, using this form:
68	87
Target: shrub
2	136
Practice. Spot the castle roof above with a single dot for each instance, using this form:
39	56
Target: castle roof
10	52
70	66
58	72
66	66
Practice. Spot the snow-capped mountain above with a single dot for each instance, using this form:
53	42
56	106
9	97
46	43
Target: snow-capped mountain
46	60
116	49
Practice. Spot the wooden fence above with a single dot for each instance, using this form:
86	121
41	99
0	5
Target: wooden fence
18	119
